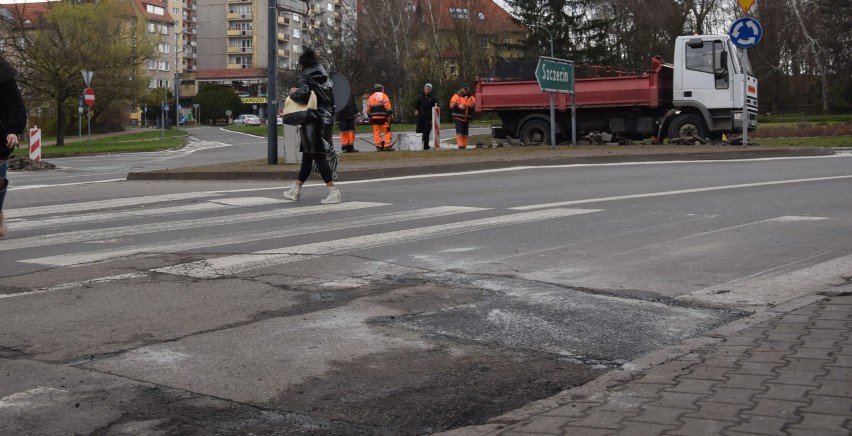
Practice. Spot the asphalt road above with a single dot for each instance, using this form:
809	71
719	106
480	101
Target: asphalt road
420	304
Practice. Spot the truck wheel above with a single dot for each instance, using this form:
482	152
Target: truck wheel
535	132
686	126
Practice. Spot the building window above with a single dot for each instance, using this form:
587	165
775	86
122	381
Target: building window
156	10
330	7
296	17
483	43
460	13
297	33
481	16
164	48
297	49
175	11
152	65
163	66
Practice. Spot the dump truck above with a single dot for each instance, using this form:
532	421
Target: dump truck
700	95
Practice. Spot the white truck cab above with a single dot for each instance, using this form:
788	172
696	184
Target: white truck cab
709	79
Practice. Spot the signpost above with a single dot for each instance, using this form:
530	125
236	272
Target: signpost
89	99
745	33
557	76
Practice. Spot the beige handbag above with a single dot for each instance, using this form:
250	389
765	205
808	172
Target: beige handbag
296	114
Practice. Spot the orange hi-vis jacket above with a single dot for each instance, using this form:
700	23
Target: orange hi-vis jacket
379	106
461	108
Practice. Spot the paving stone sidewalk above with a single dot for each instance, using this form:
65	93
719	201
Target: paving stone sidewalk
785	372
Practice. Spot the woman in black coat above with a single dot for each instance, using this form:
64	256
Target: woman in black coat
316	141
13	120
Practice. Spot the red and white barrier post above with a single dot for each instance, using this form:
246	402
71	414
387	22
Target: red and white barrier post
35	143
436	127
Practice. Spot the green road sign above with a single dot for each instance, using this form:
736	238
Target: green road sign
555	75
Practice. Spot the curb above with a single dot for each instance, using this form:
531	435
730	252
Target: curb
407	170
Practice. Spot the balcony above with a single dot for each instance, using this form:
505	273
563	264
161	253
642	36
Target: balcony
238	66
238	16
240	50
234	32
283	20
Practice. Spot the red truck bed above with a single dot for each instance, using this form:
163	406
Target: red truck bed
648	90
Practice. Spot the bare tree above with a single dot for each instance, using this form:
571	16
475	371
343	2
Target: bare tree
68	38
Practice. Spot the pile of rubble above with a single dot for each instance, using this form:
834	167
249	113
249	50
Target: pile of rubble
27	164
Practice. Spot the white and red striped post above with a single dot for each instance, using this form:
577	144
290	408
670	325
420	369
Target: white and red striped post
35	143
436	127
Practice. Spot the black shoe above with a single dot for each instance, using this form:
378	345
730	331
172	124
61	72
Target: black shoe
425	147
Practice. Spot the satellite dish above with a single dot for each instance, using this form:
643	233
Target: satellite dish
342	91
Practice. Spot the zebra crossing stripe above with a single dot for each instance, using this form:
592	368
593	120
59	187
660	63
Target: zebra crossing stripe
230	265
175	246
101	234
113	217
103	204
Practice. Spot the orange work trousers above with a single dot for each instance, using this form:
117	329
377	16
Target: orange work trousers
382	130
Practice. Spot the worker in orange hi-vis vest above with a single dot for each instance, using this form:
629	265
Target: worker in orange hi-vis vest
380	113
461	109
346	124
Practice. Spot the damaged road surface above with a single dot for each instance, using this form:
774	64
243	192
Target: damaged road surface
401	352
414	307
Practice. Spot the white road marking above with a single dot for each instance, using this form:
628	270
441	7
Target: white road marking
65	286
230	265
97	234
104	204
676	192
249	201
22	188
108	217
29	397
797	218
175	246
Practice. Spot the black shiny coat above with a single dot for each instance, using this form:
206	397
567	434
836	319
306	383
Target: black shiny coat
316	136
13	113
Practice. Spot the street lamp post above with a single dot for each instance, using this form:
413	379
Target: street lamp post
552	109
177	81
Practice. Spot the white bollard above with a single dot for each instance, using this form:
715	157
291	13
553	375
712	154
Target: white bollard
436	127
291	144
35	143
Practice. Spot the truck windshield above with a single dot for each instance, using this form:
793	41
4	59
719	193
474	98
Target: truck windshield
738	54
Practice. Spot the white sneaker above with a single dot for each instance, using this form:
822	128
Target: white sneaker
333	197
293	193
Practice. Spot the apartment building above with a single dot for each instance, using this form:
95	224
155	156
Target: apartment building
232	39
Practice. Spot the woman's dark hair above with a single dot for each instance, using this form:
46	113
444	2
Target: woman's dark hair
308	58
